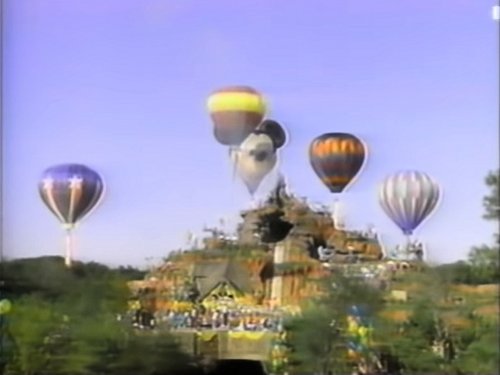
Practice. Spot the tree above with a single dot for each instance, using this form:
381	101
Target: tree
411	342
34	327
91	343
151	354
471	348
484	263
319	337
45	276
73	329
480	355
491	202
313	338
485	260
7	345
50	279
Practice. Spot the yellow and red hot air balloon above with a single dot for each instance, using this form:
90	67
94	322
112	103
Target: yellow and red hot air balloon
236	112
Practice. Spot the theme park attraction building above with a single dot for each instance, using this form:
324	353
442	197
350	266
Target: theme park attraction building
272	266
273	261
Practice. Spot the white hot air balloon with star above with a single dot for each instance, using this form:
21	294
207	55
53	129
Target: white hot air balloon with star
71	192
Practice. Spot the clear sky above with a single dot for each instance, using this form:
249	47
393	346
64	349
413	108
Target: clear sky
120	85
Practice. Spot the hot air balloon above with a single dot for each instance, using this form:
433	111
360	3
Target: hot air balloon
274	130
254	159
337	159
236	112
71	192
408	198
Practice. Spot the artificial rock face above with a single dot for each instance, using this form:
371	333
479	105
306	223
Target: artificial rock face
287	218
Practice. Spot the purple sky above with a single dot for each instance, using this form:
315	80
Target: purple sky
121	86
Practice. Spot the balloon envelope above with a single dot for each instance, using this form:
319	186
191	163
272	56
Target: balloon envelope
408	198
337	158
274	130
236	112
70	191
254	159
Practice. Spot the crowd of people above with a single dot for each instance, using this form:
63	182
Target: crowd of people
234	318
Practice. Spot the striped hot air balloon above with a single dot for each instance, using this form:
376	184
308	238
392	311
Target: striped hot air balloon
408	198
71	192
236	112
337	158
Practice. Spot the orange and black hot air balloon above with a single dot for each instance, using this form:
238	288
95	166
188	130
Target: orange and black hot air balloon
337	158
236	112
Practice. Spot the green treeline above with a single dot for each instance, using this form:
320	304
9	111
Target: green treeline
67	322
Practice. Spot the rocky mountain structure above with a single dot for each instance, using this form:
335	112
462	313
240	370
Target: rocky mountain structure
284	217
273	260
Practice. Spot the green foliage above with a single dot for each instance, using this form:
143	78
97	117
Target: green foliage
491	202
45	277
483	268
319	338
474	348
479	350
48	278
151	354
481	357
411	343
67	324
483	264
414	351
35	327
314	339
485	260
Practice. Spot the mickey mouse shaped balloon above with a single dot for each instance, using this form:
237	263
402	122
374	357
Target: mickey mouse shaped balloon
257	154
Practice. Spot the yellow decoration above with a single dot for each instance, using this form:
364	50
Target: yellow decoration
352	325
207	336
134	305
247	335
